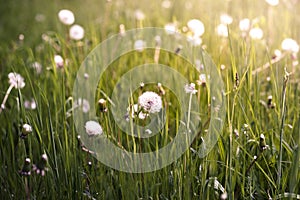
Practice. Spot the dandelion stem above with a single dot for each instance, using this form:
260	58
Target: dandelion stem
283	114
6	97
189	113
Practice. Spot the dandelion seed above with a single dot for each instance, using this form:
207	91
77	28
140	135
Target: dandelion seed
76	32
196	26
244	24
226	19
59	61
256	33
190	88
273	2
291	45
66	17
139	45
150	102
222	30
93	128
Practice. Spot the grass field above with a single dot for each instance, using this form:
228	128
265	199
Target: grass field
257	155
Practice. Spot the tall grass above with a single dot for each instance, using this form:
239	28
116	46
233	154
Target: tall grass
237	166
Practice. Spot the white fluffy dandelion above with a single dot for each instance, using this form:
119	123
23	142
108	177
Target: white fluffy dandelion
59	61
190	88
93	128
289	44
222	30
273	2
226	19
66	17
256	33
139	15
170	28
16	80
139	45
150	102
196	26
76	32
244	24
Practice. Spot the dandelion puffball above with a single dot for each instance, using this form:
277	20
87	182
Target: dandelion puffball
16	80
226	19
139	45
59	61
273	2
150	102
93	128
190	88
196	26
289	44
222	30
66	17
76	32
256	33
244	24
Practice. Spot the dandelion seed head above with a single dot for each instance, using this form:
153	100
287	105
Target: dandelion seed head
59	61
76	32
93	128
150	102
190	88
222	30
16	80
244	24
170	28
291	45
256	33
139	45
26	129
226	19
273	2
196	26
139	15
66	17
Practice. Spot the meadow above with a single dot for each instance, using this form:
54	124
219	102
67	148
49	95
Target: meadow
253	47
